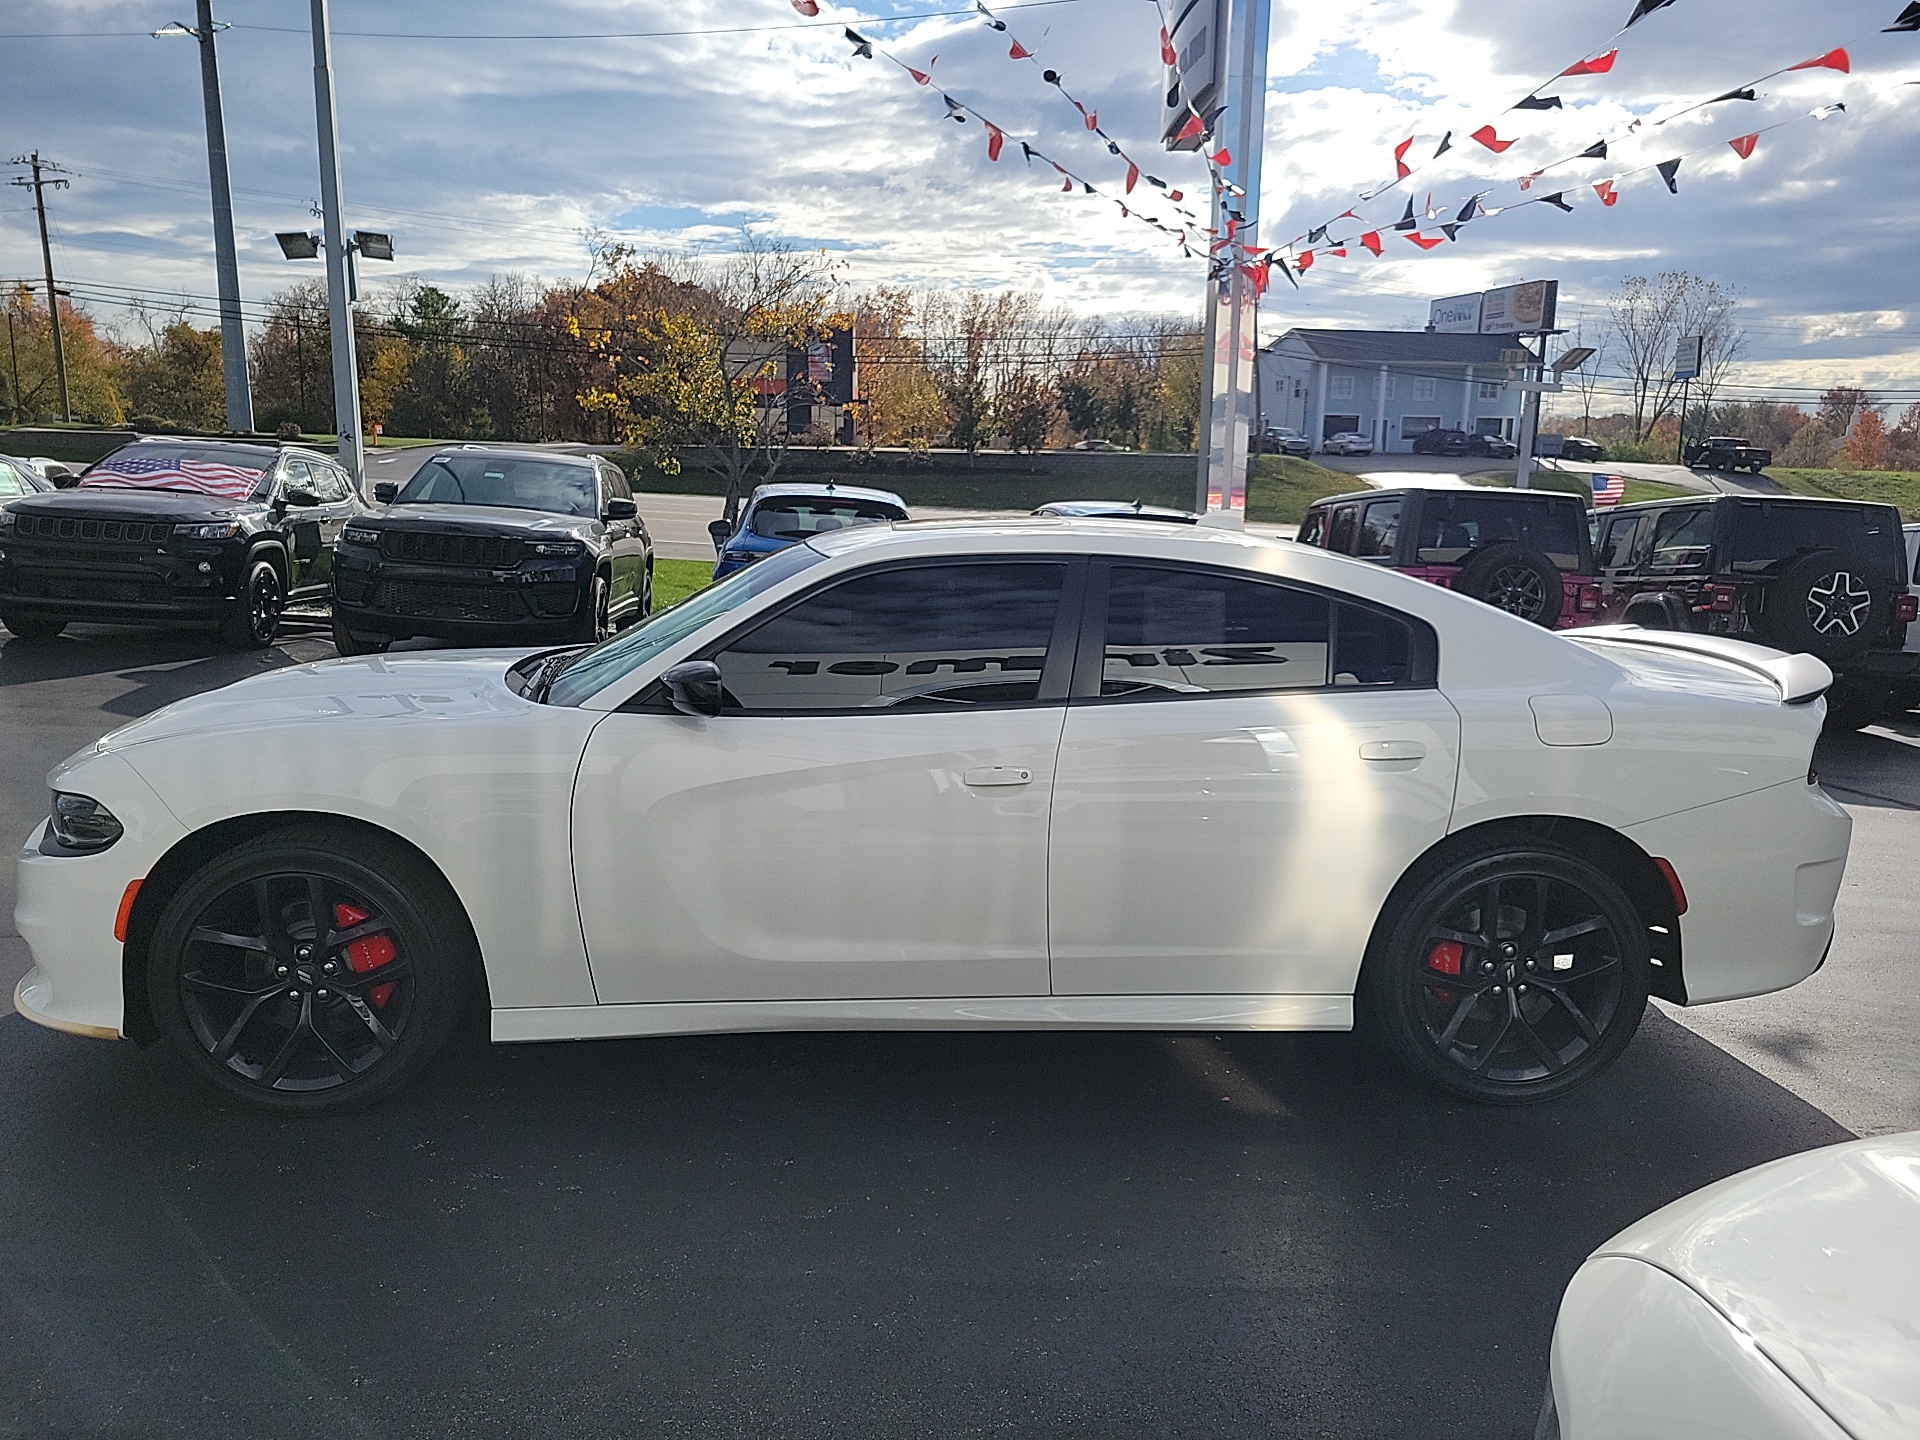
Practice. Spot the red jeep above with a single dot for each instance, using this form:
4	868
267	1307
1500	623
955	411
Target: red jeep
1525	551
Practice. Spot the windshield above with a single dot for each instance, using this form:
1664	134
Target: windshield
632	648
1453	526
797	518
513	481
227	472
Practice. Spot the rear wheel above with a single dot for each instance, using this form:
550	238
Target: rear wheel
34	627
254	615
310	969
1516	579
1828	604
1514	975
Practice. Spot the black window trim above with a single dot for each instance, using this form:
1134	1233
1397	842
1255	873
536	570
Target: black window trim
1055	673
1089	667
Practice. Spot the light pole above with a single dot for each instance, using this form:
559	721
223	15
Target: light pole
233	335
346	370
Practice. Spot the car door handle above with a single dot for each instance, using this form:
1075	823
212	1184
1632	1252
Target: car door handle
1393	750
998	775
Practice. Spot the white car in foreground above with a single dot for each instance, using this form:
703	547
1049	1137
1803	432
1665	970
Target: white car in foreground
1038	773
1781	1304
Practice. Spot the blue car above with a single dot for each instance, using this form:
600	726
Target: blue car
777	516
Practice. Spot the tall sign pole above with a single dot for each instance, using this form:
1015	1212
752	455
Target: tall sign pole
346	372
233	335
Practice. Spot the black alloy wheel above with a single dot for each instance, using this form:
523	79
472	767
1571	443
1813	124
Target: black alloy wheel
1826	603
1510	978
594	625
253	618
34	627
300	980
1517	579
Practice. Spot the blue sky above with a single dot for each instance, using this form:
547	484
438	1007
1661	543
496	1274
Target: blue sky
488	156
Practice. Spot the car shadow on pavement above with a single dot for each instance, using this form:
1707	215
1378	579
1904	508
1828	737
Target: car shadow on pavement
831	1234
161	665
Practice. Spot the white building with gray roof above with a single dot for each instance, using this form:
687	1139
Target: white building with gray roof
1391	385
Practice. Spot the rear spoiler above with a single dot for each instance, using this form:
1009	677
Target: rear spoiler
1800	678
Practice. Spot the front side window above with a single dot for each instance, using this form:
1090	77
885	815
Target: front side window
478	478
1380	529
925	636
1340	538
1683	539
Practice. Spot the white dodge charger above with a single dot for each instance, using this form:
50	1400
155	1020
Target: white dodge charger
1039	773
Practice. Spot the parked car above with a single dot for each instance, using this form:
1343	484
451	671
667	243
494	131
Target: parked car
212	534
1829	577
777	516
1116	510
1093	443
1441	442
1494	447
1348	442
495	546
1034	774
1280	440
1524	551
1779	1304
58	474
18	478
1728	452
1568	447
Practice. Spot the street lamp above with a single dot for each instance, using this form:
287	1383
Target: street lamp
298	244
305	245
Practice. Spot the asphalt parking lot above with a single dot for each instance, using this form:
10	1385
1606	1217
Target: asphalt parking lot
856	1235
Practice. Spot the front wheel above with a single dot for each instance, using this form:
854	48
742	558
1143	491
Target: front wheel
253	617
1513	976
310	969
348	642
594	625
34	627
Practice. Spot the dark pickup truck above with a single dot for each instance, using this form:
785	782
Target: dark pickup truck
1728	452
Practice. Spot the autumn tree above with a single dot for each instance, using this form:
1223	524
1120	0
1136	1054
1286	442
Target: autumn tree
1840	405
173	375
902	403
1866	447
1024	411
91	385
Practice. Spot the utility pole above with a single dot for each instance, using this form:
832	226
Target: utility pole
39	185
337	244
13	355
233	337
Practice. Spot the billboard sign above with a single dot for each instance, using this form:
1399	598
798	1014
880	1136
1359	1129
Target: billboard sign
1686	357
1520	309
1456	315
1196	80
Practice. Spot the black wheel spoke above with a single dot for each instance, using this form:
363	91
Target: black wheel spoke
1566	1002
1430	976
223	1052
382	1036
204	935
1492	1046
198	980
1568	932
339	939
342	1065
1558	979
276	1068
1540	1047
320	906
1490	910
1458	937
1458	1018
273	932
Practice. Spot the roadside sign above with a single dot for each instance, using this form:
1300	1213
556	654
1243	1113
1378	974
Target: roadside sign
1686	357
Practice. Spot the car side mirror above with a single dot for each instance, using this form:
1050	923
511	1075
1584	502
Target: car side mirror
299	499
695	685
385	491
720	530
618	509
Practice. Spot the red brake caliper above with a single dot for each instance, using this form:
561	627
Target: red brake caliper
369	952
1446	957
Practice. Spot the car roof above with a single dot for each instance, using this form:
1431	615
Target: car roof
515	452
1705	498
1115	509
825	489
1415	487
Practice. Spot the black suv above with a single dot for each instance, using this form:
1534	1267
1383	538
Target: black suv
1827	577
488	545
1440	442
204	533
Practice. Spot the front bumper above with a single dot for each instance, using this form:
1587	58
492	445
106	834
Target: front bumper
130	585
527	603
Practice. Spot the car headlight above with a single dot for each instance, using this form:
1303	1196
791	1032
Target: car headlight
211	530
82	823
360	535
557	547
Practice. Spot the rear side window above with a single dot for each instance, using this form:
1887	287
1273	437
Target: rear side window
1340	539
1616	550
1767	535
1683	539
1453	526
1380	529
1313	529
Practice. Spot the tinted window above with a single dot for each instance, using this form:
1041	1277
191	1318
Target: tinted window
329	484
1187	631
478	478
1372	648
1765	534
789	518
617	482
1616	550
1682	539
1452	526
1380	529
11	483
1313	529
1340	540
294	475
932	635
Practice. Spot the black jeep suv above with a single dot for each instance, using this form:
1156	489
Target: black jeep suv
495	546
1823	576
201	533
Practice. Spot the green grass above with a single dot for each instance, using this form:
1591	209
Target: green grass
1281	487
1893	487
1637	490
675	580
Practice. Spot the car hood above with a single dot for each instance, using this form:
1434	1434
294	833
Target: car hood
1817	1259
486	520
103	502
434	685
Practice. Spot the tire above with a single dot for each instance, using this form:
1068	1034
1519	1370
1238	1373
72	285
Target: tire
593	626
346	642
646	592
1517	579
254	616
34	627
1825	604
1664	611
241	989
1485	1011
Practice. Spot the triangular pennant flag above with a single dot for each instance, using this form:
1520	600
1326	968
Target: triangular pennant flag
995	139
1467	210
1372	241
1406	221
1526	181
1838	107
1346	215
1598	65
1669	169
809	8
1832	60
1452	232
1319	232
1088	188
1909	20
1304	261
1746	94
1066	186
1743	145
921	77
1222	156
1595	151
1558	200
987	15
1156	182
1285	271
1028	152
1125	214
1170	56
1019	52
1486	136
1426	242
1191	129
1446	144
955	110
861	45
1642	9
1093	116
1608	196
1400	158
1539	102
1133	176
1173	195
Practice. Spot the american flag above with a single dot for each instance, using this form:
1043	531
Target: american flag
156	472
1608	490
